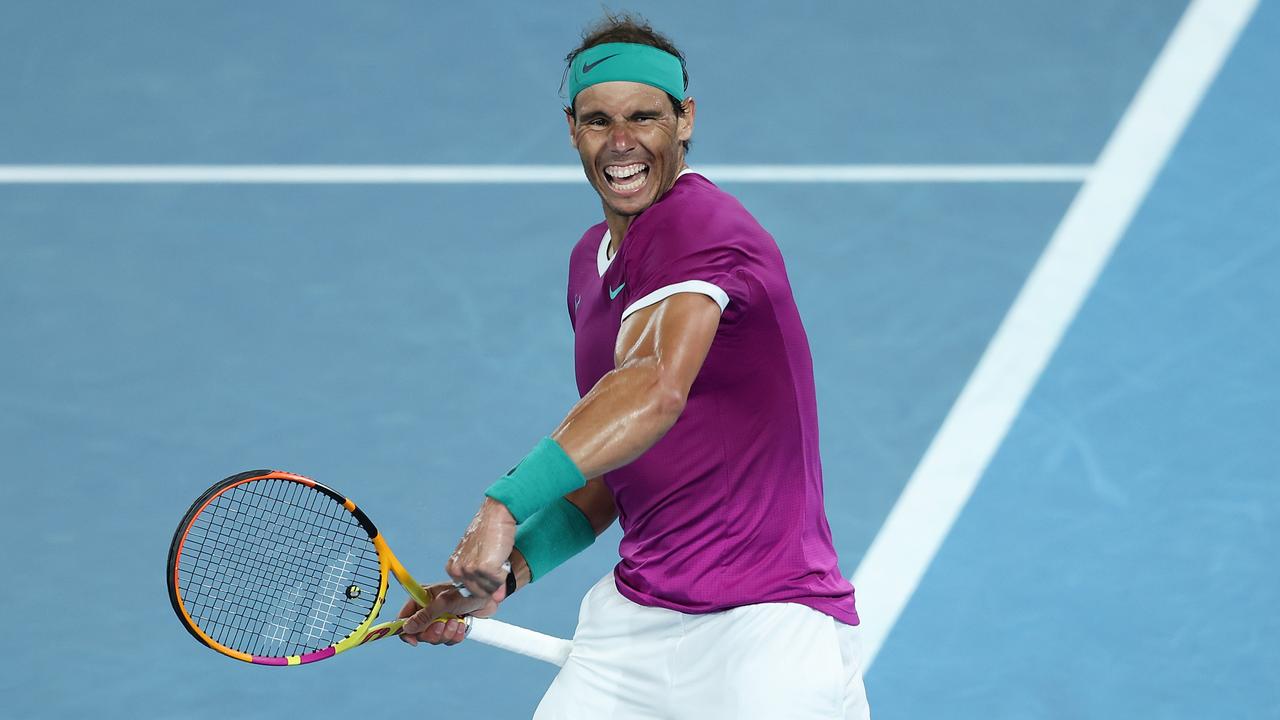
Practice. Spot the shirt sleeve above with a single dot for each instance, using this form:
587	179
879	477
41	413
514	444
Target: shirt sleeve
691	257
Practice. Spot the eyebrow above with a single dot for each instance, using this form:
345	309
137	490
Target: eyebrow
593	114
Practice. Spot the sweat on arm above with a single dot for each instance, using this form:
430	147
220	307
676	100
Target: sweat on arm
658	354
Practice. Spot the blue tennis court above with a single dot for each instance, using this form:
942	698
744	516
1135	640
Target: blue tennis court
404	341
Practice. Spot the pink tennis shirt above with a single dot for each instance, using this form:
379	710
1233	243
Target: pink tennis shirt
726	509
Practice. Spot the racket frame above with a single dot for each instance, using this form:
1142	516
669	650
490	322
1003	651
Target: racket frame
365	632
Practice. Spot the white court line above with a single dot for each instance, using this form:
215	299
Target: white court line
1030	332
472	174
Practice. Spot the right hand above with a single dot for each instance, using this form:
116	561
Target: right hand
427	624
480	557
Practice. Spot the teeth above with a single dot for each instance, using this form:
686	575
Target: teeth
623	171
633	185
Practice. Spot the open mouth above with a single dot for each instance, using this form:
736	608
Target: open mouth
626	178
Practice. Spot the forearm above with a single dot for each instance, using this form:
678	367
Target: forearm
595	502
562	530
658	354
627	411
520	568
659	351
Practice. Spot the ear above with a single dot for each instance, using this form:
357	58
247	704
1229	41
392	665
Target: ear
573	126
684	123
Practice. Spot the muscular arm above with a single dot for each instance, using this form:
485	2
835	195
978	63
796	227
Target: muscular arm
659	352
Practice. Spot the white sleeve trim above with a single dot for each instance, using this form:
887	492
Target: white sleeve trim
688	286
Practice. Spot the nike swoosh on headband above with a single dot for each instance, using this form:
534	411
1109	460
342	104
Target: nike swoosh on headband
586	67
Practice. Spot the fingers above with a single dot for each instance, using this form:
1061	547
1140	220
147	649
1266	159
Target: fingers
490	608
431	624
477	560
478	563
439	632
440	623
409	608
423	620
483	581
481	571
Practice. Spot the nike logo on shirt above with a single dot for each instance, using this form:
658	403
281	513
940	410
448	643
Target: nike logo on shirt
613	292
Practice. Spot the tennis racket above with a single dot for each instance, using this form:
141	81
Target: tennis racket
274	568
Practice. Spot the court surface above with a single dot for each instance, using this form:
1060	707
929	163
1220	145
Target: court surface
406	341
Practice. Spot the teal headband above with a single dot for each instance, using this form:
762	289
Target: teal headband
629	62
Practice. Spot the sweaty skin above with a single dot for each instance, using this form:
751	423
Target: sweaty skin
620	123
658	354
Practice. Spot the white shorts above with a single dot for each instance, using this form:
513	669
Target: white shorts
773	660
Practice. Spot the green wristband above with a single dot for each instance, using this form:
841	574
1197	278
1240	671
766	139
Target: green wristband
545	475
554	534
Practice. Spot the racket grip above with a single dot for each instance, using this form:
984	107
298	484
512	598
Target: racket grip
533	644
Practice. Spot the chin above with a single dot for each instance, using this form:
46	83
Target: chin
628	207
631	208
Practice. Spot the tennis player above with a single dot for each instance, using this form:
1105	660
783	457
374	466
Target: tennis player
697	426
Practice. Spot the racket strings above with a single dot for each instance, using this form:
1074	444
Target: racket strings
293	595
282	571
277	568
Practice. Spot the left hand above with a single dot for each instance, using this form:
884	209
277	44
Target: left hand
484	547
434	625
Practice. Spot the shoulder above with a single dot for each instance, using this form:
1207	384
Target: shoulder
697	215
588	245
695	200
590	240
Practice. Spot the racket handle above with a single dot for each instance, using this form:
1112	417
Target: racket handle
533	644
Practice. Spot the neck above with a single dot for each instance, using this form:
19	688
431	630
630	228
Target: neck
619	224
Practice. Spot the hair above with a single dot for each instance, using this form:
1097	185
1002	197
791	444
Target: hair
626	27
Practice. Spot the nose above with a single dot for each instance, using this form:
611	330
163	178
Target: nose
620	138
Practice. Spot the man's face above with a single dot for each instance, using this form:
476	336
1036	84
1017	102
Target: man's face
629	139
